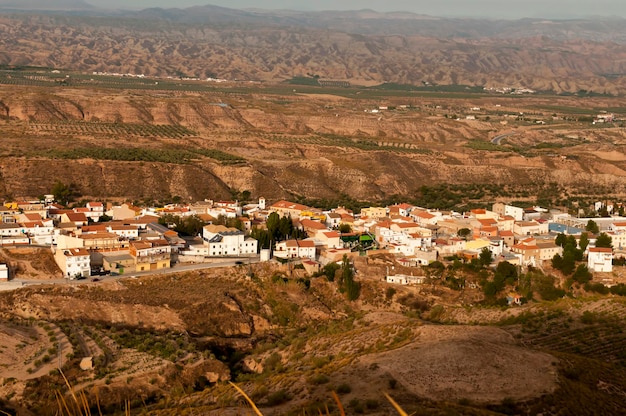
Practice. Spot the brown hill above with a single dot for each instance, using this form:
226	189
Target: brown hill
244	46
143	144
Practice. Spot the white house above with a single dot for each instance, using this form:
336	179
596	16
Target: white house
130	232
295	249
600	259
4	272
40	232
330	239
403	279
73	262
332	220
223	241
94	211
523	228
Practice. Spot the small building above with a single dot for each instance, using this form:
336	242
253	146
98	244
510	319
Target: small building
295	249
224	241
4	273
74	262
600	259
403	279
151	254
118	263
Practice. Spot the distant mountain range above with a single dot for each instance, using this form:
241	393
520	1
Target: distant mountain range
45	5
363	47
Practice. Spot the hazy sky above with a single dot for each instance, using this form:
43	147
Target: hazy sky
474	8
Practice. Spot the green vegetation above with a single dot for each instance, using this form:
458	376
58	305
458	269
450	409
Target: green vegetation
114	129
310	81
189	225
346	281
365	144
178	156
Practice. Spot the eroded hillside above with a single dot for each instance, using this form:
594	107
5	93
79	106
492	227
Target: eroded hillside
132	143
557	56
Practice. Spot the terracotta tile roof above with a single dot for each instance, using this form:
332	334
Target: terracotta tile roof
76	216
407	225
94	228
487	222
315	225
289	205
425	215
600	250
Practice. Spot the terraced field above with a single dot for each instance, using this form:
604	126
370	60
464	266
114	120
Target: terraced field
81	128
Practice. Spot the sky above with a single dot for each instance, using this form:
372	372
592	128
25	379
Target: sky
471	8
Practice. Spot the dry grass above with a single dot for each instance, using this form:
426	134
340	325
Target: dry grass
78	404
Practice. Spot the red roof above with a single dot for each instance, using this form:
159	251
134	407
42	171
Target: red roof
407	225
289	205
316	225
600	250
76	217
331	234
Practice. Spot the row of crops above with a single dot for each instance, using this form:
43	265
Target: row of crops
117	129
38	79
362	144
136	154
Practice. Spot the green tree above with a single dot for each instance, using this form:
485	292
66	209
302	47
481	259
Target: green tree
485	257
584	241
285	228
557	261
345	228
569	263
561	240
506	274
62	193
346	282
272	223
582	274
592	227
604	240
191	225
262	236
330	270
464	233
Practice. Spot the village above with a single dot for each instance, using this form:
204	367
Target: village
126	239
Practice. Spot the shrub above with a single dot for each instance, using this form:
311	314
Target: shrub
372	404
588	318
277	398
343	388
357	406
273	362
319	379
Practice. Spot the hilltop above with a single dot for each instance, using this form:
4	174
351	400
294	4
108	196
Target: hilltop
361	47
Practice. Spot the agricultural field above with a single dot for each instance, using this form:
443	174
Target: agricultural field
112	129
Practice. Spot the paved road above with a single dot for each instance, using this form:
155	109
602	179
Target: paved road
498	139
177	268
